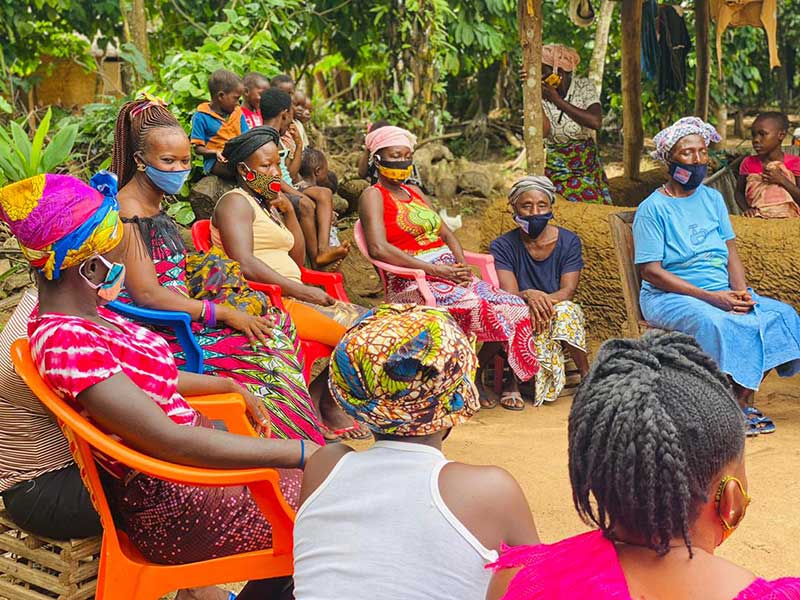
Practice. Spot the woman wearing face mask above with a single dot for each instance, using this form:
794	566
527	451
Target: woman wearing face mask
694	280
656	462
401	229
255	225
542	263
124	379
151	157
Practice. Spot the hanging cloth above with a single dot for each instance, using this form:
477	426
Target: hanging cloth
740	13
674	45
649	39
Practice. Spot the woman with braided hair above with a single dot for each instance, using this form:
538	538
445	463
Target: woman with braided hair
656	461
256	347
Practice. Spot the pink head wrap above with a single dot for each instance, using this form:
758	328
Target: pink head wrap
387	136
561	57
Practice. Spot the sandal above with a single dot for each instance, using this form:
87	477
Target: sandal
512	401
336	435
757	423
764	425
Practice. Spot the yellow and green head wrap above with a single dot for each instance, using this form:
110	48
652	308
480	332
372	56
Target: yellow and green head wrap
59	221
405	371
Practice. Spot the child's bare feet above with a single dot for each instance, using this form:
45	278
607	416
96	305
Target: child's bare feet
332	255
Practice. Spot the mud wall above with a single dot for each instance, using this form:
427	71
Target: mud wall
769	251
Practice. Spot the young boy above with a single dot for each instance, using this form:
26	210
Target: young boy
218	121
316	182
254	86
301	115
769	182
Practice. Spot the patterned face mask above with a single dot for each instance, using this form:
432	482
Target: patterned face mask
266	186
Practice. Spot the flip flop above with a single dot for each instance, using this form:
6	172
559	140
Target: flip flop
512	396
336	434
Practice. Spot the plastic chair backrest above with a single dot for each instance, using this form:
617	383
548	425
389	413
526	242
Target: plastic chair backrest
621	225
179	322
201	235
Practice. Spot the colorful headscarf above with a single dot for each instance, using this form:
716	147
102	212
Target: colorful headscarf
405	370
59	221
666	139
532	183
387	136
561	57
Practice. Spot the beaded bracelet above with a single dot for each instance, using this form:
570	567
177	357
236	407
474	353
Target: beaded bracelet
211	313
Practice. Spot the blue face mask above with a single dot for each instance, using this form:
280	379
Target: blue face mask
534	224
689	176
169	182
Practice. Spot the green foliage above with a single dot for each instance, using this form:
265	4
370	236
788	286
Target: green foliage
21	157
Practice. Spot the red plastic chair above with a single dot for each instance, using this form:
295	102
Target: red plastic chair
124	574
332	283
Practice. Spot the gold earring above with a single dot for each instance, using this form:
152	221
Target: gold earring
141	166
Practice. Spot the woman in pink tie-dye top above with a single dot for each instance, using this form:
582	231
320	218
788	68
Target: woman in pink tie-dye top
656	460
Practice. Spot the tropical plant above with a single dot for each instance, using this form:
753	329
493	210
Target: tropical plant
22	157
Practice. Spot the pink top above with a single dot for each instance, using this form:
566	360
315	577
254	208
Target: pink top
252	117
753	165
586	566
73	354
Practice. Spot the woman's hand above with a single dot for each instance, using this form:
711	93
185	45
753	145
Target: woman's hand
257	329
315	295
550	93
732	301
541	307
257	412
220	157
282	204
751	213
456	273
295	133
775	177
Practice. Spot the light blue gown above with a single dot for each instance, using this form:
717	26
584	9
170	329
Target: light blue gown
688	236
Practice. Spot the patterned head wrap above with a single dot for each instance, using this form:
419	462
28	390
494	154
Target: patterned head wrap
561	57
387	136
405	370
666	139
59	221
532	183
242	146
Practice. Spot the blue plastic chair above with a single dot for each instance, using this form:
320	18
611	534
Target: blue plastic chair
179	322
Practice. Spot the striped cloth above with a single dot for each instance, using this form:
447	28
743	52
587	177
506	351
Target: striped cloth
73	354
31	440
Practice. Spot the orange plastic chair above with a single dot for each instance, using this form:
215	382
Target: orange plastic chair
124	574
333	284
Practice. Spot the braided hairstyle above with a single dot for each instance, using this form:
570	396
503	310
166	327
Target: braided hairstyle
131	133
650	427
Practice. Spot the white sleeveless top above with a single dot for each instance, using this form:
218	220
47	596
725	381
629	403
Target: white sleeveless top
377	528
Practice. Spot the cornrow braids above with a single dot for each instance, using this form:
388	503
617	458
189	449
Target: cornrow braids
131	131
651	426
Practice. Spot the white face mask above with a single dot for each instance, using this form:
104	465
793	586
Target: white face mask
108	290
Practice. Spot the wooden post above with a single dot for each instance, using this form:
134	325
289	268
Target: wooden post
702	81
632	132
530	35
598	62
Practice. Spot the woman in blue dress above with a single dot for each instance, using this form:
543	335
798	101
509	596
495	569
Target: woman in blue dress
693	279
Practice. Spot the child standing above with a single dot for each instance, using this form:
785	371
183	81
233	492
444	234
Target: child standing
254	86
218	121
769	182
314	183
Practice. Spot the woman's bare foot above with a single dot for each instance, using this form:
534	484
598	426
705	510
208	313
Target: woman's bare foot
331	255
204	593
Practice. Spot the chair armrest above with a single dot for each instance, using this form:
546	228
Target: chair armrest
272	291
332	283
179	322
485	262
417	275
230	408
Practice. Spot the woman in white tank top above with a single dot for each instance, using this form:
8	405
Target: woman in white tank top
399	521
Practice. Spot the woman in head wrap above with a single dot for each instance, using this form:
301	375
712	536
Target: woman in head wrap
399	520
656	463
572	117
693	278
241	336
542	263
256	226
402	229
125	380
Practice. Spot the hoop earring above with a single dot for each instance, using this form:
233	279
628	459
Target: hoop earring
141	167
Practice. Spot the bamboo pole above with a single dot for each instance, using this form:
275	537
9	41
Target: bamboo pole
530	35
702	82
632	133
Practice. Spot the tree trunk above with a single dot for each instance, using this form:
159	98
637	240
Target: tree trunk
530	33
632	132
738	123
702	81
722	114
134	30
598	63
